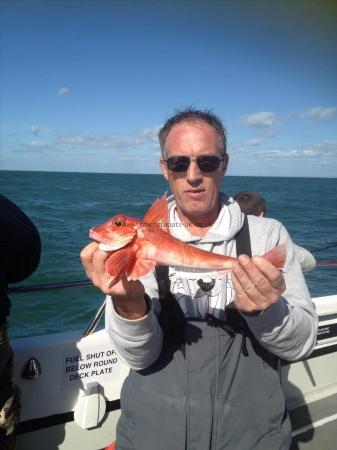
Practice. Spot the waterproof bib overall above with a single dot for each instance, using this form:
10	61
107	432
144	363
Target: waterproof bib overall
213	386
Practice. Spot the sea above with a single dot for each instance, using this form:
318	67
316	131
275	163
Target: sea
64	206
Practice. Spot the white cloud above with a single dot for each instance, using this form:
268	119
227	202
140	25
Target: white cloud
35	129
38	145
152	133
257	141
260	119
110	141
63	91
308	152
319	150
326	148
270	153
321	113
316	152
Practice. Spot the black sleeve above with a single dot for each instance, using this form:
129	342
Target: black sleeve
20	244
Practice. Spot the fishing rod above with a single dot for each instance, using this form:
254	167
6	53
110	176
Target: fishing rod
47	286
326	263
95	320
99	313
331	245
87	282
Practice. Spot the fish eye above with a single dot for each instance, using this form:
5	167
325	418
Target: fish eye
118	223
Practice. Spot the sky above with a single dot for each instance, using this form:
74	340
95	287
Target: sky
86	85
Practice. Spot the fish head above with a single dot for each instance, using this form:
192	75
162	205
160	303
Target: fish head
116	233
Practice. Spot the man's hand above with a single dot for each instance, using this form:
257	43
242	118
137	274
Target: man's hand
128	296
258	284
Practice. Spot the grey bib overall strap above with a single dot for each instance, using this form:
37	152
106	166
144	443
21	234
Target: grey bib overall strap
213	386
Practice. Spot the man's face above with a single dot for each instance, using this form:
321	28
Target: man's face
196	192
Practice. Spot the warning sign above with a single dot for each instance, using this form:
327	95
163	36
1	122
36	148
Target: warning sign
88	365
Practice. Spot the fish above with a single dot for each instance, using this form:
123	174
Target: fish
137	246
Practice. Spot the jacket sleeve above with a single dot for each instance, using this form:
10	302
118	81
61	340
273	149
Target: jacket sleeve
19	241
305	258
288	329
138	342
20	249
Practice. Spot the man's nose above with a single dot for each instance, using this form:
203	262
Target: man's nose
193	172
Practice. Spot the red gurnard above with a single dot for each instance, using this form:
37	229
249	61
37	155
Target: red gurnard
137	246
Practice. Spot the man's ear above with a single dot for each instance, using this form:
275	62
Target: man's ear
225	163
164	169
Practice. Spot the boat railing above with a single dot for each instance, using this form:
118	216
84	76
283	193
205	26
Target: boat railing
80	283
63	285
48	286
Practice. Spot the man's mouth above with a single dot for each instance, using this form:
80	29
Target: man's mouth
195	192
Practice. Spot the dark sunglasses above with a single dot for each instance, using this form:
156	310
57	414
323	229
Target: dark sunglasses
206	163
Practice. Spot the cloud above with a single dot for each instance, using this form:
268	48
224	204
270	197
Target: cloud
63	91
257	141
321	113
35	129
312	155
151	133
110	141
326	150
38	145
260	119
308	152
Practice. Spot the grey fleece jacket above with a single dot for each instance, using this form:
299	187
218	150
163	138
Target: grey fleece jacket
305	258
287	329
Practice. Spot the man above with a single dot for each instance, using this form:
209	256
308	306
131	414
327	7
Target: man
253	203
20	249
204	353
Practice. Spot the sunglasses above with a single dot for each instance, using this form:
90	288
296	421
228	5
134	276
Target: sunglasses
206	163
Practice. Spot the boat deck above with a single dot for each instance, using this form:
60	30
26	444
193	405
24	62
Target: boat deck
322	432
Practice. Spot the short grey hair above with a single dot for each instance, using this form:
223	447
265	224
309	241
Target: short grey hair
191	114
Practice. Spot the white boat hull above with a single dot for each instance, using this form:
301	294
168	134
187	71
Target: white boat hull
55	413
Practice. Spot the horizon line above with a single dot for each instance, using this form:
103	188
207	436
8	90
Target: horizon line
159	174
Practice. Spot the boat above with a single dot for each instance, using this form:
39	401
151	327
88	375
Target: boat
70	386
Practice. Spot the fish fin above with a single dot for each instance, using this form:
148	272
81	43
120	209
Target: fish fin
119	263
277	256
158	213
140	269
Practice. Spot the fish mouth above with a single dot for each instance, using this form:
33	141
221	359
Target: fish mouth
107	244
112	247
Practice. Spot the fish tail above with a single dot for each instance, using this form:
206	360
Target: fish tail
277	256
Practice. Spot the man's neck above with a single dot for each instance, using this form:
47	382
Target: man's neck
198	226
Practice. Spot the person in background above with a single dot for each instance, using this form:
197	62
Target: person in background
204	354
253	203
20	249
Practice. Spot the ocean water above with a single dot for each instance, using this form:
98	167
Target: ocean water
64	206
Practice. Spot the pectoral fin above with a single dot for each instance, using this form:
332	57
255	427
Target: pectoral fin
119	263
